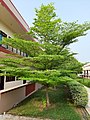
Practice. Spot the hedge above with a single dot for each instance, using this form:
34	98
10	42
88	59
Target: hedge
84	81
78	93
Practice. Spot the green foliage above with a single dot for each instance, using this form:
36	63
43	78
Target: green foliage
84	81
42	69
70	31
30	47
34	106
46	24
78	93
48	28
73	64
49	62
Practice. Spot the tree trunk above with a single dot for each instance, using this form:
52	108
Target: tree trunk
47	98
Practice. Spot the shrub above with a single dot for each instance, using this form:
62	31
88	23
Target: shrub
78	93
84	81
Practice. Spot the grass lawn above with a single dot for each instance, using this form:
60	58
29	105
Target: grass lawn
34	106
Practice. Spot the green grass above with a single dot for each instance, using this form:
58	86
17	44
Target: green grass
34	106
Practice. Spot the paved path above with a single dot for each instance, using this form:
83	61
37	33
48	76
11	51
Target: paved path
11	117
88	105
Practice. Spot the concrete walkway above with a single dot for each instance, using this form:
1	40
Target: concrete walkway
11	117
88	105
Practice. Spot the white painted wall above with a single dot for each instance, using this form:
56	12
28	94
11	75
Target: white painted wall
10	98
16	13
6	30
12	84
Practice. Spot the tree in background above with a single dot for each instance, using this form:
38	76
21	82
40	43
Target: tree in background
49	62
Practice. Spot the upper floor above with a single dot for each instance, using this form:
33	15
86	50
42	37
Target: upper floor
11	21
11	17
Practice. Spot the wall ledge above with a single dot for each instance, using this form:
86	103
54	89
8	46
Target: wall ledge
13	88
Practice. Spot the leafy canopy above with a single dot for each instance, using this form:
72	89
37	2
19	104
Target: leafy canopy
47	27
49	60
51	53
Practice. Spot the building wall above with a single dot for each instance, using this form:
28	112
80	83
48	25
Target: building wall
37	86
86	71
8	85
30	88
13	92
16	14
10	98
5	29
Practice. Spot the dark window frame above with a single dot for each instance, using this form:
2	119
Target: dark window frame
10	78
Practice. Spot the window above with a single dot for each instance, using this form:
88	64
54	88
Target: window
0	38
1	81
9	79
24	81
2	34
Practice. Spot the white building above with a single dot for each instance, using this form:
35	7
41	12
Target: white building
86	71
11	90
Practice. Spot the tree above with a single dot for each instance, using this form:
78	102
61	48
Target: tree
44	69
49	60
48	28
47	67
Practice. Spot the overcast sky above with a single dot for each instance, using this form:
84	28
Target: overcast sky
67	10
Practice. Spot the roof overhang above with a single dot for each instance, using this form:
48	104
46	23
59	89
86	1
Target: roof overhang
10	16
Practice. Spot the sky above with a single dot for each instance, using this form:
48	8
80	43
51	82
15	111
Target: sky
66	10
